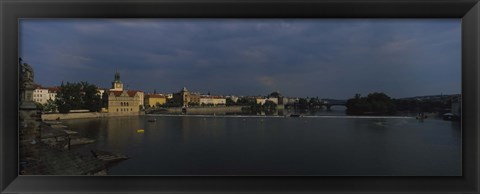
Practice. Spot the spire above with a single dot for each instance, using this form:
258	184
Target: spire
117	76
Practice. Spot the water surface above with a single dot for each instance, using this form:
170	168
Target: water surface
260	145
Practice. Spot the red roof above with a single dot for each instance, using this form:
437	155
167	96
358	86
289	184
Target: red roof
118	93
53	89
132	93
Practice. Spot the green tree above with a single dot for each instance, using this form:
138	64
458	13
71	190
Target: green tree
90	97
82	95
302	103
39	106
50	106
269	106
105	100
230	102
374	103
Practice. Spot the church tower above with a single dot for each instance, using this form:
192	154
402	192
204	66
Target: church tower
117	84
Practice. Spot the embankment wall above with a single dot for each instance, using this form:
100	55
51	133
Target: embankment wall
86	115
206	110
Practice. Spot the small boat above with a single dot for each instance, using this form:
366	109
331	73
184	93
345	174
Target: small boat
450	117
140	130
421	116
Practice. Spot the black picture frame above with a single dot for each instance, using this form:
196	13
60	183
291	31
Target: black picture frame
12	10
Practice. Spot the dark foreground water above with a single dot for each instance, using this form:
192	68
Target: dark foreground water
317	145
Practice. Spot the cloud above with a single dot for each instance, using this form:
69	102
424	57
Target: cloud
314	57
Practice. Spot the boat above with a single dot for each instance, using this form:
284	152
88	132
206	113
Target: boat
152	120
450	117
140	130
295	115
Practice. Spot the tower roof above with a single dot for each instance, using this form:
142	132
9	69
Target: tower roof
117	76
184	89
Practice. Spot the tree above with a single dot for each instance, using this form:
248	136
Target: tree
230	102
302	103
39	105
374	103
50	106
244	101
90	99
105	100
82	95
269	106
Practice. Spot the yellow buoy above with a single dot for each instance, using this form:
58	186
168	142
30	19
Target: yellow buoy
140	130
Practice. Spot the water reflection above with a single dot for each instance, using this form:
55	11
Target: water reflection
219	145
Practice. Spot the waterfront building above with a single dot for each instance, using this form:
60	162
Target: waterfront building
124	101
186	98
263	100
40	94
141	94
260	101
152	100
212	100
43	94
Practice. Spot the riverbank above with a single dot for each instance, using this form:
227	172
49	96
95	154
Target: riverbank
60	116
219	110
62	151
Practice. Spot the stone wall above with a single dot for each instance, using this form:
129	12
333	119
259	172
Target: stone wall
206	110
86	115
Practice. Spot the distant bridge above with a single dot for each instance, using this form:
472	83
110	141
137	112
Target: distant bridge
331	102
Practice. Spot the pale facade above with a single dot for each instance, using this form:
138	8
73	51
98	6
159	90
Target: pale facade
212	100
186	98
260	101
263	100
42	95
152	100
142	97
123	102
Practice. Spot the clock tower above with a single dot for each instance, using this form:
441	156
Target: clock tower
117	85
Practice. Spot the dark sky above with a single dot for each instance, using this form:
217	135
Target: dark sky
328	58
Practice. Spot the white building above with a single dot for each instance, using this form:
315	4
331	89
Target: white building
42	94
263	100
212	100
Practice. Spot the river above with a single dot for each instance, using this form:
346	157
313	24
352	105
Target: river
324	143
